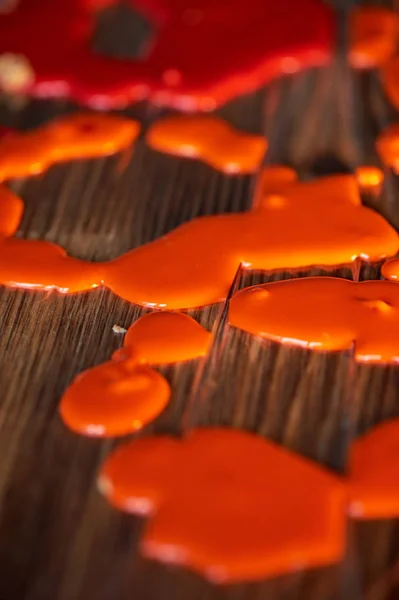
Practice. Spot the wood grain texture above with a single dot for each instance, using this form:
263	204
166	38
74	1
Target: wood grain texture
58	537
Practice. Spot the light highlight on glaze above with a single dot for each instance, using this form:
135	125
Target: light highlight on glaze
370	179
123	395
188	65
210	139
324	313
210	510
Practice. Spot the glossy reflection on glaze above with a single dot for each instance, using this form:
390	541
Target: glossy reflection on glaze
228	504
188	65
123	395
373	36
324	313
210	139
316	223
373	473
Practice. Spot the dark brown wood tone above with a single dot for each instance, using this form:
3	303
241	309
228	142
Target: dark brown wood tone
58	537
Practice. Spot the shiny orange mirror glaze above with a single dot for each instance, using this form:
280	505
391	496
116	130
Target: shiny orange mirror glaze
324	313
228	504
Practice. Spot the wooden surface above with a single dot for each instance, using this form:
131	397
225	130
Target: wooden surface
58	537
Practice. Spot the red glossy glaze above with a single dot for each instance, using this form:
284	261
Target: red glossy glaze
324	313
373	473
228	504
193	61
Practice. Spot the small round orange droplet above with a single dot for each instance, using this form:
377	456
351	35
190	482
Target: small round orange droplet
369	178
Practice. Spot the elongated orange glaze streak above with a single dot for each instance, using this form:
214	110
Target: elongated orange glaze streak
390	269
76	136
374	474
324	313
228	504
387	145
370	179
122	396
210	139
317	223
373	36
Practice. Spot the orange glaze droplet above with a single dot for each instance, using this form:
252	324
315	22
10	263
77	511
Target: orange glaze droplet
388	146
319	223
122	396
11	210
324	313
114	399
76	136
373	36
373	473
166	337
210	139
370	179
390	269
228	504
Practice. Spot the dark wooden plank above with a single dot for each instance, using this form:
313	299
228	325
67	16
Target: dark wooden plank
58	538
